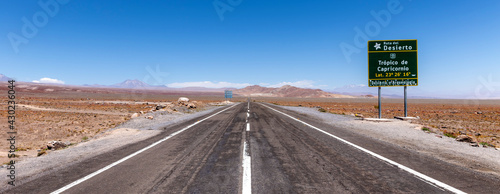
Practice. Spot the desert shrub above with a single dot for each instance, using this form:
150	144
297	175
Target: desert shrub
448	134
42	152
321	110
21	149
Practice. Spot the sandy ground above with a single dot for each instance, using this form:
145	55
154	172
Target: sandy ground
479	119
400	133
73	120
32	167
411	136
36	108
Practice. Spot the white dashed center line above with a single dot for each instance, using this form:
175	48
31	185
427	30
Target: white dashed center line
246	161
247	171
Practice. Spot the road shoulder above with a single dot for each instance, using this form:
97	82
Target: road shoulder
133	131
411	137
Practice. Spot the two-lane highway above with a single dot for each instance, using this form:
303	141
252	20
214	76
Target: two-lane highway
260	148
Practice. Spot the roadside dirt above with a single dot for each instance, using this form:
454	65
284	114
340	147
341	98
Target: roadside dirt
477	119
76	114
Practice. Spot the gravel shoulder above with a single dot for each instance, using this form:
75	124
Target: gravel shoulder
134	130
412	137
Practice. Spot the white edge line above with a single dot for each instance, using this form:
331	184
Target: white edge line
248	126
247	171
131	155
418	174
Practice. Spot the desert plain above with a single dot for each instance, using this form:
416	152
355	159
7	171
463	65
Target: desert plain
75	114
478	119
71	115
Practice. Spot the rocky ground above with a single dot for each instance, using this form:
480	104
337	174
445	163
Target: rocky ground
44	123
475	122
411	136
133	130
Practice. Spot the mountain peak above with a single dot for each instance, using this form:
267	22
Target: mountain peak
132	84
287	86
4	78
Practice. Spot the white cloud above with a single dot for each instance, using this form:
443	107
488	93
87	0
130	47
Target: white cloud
300	84
208	84
47	80
354	86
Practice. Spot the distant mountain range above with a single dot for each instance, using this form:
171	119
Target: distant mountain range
132	84
287	91
4	78
351	91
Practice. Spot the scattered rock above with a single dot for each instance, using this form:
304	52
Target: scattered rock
478	112
56	145
159	107
474	144
134	115
141	112
191	105
149	117
183	100
439	136
464	138
41	152
358	115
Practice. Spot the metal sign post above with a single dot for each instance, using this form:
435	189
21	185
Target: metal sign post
392	63
406	110
379	103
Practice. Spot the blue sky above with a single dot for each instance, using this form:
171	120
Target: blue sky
239	43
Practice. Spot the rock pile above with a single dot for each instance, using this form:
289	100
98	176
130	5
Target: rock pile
183	103
464	138
55	145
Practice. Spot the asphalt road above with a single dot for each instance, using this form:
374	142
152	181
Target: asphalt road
260	148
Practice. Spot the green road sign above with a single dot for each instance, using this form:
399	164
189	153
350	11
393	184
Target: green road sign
392	63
